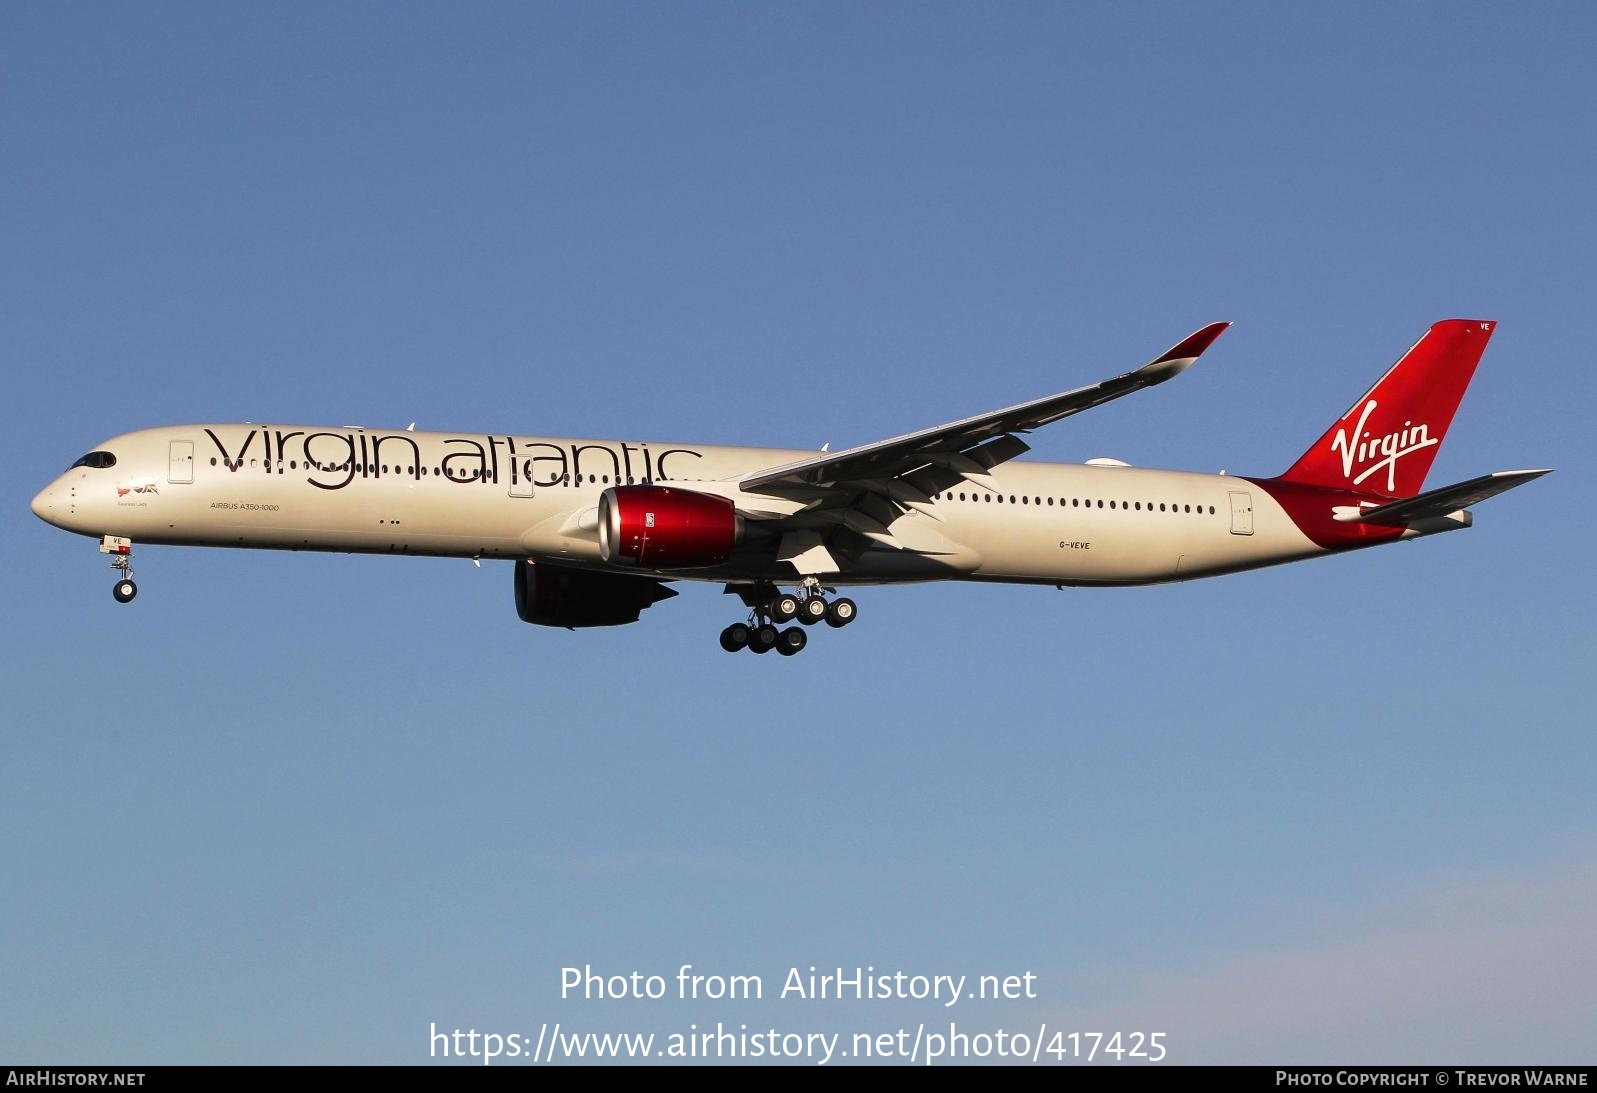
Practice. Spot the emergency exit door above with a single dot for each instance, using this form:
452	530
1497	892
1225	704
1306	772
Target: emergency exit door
180	461
1241	513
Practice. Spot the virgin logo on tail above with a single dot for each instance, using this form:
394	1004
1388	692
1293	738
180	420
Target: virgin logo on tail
1359	447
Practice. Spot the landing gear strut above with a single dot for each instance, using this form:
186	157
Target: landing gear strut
121	551
768	608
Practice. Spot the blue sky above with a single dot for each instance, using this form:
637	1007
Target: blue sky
290	808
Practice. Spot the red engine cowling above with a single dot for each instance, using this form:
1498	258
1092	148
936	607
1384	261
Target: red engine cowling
662	527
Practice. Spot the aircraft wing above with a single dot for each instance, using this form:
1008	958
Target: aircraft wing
1443	501
973	445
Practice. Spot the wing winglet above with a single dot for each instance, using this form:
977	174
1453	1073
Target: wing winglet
901	454
1191	347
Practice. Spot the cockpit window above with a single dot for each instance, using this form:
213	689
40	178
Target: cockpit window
97	460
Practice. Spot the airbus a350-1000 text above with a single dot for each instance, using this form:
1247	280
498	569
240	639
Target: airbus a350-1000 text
597	530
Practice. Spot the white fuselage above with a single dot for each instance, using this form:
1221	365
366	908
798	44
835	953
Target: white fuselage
400	492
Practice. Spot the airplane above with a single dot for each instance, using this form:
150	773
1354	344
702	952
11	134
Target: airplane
598	529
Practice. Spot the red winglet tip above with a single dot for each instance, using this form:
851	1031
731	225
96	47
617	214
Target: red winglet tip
1194	344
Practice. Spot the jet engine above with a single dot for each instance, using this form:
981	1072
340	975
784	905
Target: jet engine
557	595
663	527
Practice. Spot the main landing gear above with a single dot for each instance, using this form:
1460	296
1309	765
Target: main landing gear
121	551
768	608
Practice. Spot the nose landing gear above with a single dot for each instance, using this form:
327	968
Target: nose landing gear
121	551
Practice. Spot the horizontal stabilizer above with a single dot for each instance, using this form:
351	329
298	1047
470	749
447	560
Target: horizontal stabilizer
1441	502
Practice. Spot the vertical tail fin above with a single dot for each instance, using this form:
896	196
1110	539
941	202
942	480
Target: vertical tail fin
1387	440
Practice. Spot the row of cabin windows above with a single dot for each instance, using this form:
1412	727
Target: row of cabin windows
1073	502
385	468
1078	503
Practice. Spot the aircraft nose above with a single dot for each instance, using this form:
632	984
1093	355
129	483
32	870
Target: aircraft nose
47	505
59	506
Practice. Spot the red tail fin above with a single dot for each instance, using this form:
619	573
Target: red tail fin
1387	440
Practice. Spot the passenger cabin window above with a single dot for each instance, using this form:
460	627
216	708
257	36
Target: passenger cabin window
97	460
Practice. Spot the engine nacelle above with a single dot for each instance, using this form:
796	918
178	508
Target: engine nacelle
557	595
663	527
